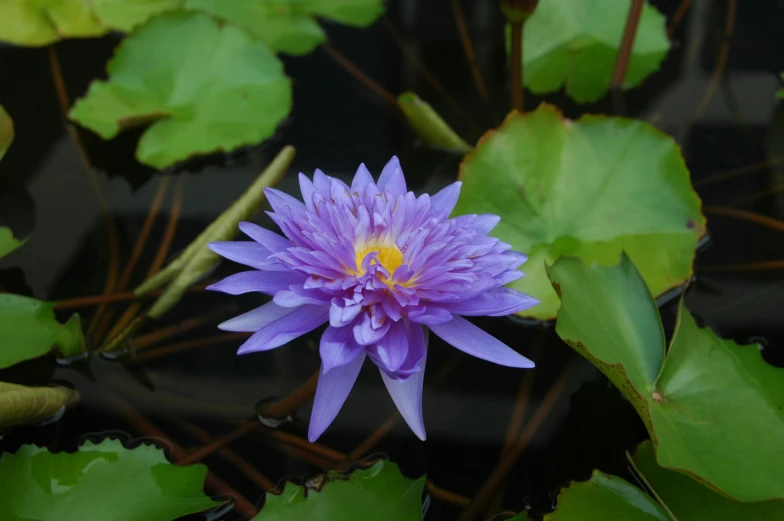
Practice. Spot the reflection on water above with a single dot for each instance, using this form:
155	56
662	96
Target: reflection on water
337	123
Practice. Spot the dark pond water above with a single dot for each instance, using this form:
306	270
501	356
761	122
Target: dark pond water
336	124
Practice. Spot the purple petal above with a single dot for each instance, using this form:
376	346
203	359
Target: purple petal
392	178
256	319
495	303
342	313
280	200
407	395
465	336
484	223
337	348
249	253
300	321
331	392
392	350
266	238
269	282
296	296
364	332
444	201
308	191
430	315
362	179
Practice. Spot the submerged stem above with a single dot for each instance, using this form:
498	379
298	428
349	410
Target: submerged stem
292	402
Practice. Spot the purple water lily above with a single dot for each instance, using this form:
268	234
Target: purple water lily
380	265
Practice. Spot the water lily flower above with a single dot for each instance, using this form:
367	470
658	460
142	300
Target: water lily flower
380	265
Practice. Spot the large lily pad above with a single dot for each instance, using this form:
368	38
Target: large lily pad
575	43
29	329
124	15
380	493
714	409
605	497
41	22
290	25
688	499
204	87
588	188
100	481
21	405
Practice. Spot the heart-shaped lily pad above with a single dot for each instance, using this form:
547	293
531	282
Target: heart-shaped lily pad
37	23
380	493
29	329
202	85
689	499
100	481
290	26
588	188
714	409
574	43
605	497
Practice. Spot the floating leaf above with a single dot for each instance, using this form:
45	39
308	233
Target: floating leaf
380	493
605	497
29	329
21	405
8	242
576	42
688	499
100	481
204	87
290	25
713	408
41	22
124	15
588	188
429	125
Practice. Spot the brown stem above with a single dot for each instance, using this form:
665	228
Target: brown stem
627	43
768	222
446	495
721	63
301	443
160	257
514	453
141	424
163	334
352	69
468	49
187	345
400	42
283	408
754	167
217	444
678	16
92	300
229	455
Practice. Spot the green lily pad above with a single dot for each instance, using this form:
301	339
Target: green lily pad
8	242
688	499
21	405
380	493
714	409
605	497
29	329
124	15
202	85
36	23
290	26
100	481
575	43
588	188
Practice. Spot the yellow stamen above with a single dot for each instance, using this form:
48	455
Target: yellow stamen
390	257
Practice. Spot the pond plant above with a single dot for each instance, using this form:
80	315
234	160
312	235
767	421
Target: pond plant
668	420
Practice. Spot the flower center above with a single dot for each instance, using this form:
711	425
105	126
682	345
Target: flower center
390	257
